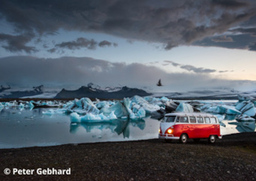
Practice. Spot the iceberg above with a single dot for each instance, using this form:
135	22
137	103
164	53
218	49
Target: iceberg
220	109
149	108
170	106
184	107
75	118
118	109
84	105
229	109
246	107
127	104
21	106
245	118
244	97
1	106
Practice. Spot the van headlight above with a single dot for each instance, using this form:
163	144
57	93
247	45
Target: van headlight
169	131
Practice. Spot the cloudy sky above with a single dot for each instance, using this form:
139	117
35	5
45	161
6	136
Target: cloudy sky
187	44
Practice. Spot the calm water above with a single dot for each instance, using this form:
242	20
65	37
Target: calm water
32	128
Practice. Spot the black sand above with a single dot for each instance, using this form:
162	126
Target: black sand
232	158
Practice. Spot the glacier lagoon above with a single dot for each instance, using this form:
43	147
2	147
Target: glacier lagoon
28	128
23	125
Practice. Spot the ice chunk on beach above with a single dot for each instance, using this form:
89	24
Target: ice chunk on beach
245	118
184	107
246	107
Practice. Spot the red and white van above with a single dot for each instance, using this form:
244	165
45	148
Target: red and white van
182	126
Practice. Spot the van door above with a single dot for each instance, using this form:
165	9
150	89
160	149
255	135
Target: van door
183	126
200	126
215	126
192	127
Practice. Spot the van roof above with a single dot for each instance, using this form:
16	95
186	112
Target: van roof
189	114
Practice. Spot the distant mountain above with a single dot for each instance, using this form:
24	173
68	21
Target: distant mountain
18	94
92	92
2	88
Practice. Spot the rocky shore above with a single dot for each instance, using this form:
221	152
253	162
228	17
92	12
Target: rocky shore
232	158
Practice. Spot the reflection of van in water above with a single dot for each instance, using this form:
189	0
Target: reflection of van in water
182	126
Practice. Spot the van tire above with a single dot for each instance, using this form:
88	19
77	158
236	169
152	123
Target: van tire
184	138
212	139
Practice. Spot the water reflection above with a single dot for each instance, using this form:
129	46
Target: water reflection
246	126
119	126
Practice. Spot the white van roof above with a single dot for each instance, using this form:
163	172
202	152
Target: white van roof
190	114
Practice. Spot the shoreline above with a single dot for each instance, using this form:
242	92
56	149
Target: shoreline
235	137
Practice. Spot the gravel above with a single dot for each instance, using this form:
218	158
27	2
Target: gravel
232	158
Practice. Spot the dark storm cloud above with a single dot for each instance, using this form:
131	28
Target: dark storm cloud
172	23
230	3
241	41
78	43
17	43
74	72
105	43
81	43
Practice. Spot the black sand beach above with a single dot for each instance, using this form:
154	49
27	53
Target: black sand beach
232	158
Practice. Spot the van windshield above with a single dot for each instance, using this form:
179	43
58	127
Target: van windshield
170	119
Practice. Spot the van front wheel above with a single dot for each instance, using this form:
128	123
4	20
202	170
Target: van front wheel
212	139
183	138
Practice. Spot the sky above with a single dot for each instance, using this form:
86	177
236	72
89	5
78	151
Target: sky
203	44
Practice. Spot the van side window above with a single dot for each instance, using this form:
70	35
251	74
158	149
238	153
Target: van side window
170	119
200	120
213	120
182	119
207	120
192	119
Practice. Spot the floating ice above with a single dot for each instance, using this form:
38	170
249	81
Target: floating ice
149	108
75	118
246	107
84	105
230	109
118	109
220	109
184	107
21	106
1	106
245	118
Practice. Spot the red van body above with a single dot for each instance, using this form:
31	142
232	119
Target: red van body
183	126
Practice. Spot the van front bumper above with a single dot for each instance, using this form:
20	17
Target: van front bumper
168	136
